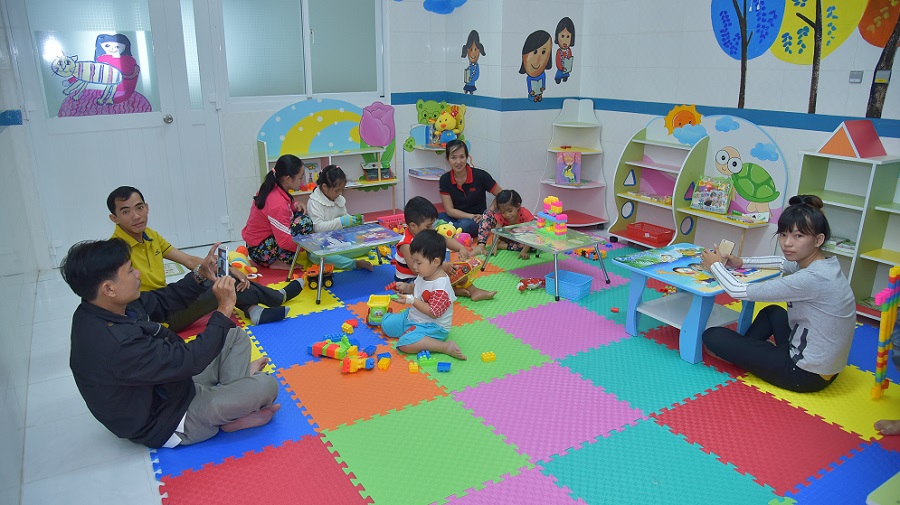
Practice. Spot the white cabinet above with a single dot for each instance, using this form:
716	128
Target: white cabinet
859	196
577	130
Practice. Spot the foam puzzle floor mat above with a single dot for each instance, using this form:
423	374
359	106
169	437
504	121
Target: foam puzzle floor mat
571	410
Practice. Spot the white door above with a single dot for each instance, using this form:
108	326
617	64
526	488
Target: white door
172	153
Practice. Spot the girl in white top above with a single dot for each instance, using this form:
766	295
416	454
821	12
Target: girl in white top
328	210
812	337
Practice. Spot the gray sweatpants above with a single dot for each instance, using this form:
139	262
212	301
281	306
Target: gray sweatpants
226	391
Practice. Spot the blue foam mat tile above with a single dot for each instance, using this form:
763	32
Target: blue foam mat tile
851	479
287	342
354	285
645	374
864	350
289	424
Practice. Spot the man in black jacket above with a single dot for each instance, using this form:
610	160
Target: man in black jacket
140	379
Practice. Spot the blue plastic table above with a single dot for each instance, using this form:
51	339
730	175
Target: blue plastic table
692	309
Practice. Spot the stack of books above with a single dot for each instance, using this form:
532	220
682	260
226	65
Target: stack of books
839	244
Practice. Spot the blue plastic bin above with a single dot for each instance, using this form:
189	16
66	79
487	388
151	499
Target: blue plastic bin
572	286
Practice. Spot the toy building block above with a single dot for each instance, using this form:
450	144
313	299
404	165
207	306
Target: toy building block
413	367
443	366
384	363
488	356
346	328
428	362
352	322
370	350
352	364
337	348
383	355
423	355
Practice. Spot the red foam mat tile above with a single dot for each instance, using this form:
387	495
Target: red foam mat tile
760	435
296	472
668	336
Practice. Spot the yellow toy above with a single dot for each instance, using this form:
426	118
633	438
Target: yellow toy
464	272
240	261
447	230
448	125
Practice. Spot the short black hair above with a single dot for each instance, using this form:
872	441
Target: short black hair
418	209
121	193
430	244
331	176
509	196
92	262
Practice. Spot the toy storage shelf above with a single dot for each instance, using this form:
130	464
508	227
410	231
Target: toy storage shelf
858	194
576	129
367	199
724	219
422	156
646	177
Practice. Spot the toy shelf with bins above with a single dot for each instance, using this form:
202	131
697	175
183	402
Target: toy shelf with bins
425	185
576	129
368	202
645	182
859	196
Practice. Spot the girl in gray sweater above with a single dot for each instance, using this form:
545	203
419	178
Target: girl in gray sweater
812	337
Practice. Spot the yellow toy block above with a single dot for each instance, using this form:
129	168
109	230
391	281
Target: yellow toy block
346	328
488	356
413	367
384	363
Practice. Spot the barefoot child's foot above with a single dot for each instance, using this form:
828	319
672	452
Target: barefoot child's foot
258	364
363	264
477	294
451	349
888	427
279	265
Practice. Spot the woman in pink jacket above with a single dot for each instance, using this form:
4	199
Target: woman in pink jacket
275	217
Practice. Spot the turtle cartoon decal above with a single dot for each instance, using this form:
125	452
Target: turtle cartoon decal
751	181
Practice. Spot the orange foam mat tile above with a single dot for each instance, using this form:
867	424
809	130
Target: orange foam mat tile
333	398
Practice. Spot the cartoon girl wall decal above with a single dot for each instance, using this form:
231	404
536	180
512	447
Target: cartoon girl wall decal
115	50
565	39
535	60
472	50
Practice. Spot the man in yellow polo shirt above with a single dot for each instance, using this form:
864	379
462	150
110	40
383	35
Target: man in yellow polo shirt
148	248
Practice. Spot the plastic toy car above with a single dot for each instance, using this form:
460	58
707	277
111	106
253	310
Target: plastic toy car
312	276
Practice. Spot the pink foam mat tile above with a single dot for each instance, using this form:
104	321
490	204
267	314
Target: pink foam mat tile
522	407
571	264
530	487
560	328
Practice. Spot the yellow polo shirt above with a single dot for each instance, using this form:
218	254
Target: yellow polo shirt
147	257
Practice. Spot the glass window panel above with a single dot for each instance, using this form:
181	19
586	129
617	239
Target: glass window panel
115	75
344	48
192	60
263	47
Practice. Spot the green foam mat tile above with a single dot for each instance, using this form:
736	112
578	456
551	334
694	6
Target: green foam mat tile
509	260
508	298
645	464
603	302
424	453
513	356
645	374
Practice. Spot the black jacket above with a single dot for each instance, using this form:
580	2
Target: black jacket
135	375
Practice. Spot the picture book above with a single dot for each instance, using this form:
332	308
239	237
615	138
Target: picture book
567	64
712	194
427	171
679	265
536	87
568	168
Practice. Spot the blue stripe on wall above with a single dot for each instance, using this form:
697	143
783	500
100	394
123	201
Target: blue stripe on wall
779	119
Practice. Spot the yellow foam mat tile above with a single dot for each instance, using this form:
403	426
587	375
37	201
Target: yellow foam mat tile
845	403
304	303
736	306
256	352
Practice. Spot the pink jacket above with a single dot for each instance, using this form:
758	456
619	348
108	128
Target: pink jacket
274	219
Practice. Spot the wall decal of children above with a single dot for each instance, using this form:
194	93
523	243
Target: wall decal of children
473	49
565	39
535	61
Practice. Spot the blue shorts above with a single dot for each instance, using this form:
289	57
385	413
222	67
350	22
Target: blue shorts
409	332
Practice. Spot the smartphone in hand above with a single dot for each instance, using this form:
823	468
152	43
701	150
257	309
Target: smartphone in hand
726	247
221	261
